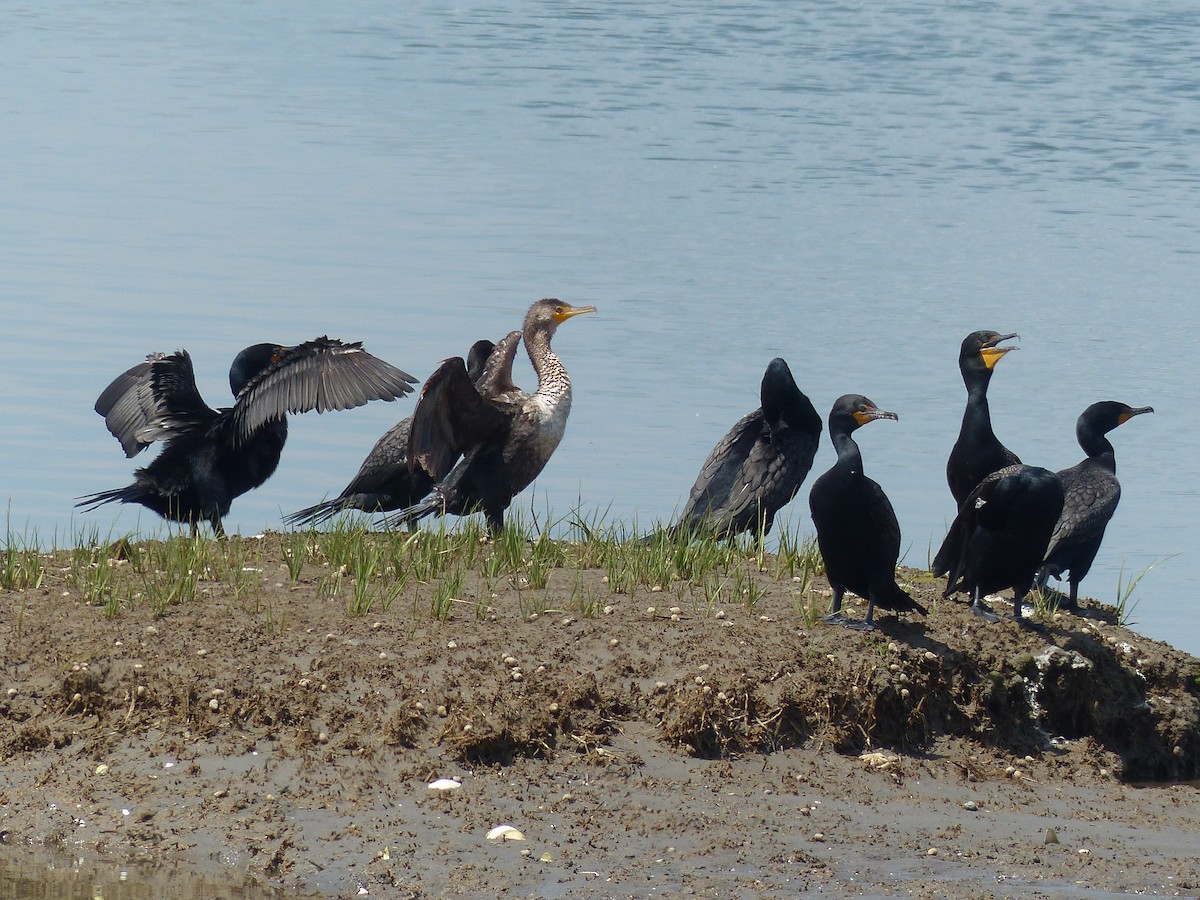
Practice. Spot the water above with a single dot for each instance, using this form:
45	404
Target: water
850	187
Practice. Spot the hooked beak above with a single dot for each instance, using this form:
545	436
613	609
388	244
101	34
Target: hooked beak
992	354
566	311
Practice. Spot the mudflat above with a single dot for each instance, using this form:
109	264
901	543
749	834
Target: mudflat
280	706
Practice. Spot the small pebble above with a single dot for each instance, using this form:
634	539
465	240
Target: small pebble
932	851
102	769
818	837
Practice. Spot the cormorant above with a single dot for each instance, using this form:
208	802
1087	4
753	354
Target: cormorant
484	445
977	452
1091	494
384	481
757	468
857	531
212	456
1000	534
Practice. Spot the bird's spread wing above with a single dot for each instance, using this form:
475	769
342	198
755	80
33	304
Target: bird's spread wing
452	417
323	374
496	380
154	400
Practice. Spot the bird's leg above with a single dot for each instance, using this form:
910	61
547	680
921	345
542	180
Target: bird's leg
978	608
218	527
835	616
867	624
1072	603
495	522
1019	616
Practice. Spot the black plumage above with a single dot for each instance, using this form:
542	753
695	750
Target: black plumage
211	455
384	481
757	468
1091	492
977	452
483	444
857	530
1000	535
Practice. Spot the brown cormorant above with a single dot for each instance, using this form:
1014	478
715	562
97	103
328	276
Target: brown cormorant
484	444
1091	493
212	456
384	481
757	468
857	531
1000	535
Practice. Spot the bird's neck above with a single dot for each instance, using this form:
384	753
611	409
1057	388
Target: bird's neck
848	456
551	373
1098	448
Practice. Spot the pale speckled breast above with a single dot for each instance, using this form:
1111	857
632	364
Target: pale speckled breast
543	423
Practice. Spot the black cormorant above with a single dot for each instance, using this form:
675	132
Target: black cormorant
857	531
212	456
384	481
484	444
977	452
1091	493
1000	535
757	468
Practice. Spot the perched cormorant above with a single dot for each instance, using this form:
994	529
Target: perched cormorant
977	452
1000	534
212	456
857	531
484	444
384	481
1091	493
757	468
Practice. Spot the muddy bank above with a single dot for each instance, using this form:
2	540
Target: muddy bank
687	740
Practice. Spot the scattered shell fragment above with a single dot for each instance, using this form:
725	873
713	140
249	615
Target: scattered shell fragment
878	759
102	769
1051	836
505	833
970	806
445	784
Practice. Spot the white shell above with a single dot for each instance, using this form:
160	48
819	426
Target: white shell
505	833
444	784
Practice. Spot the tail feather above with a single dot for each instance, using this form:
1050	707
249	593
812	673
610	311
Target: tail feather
317	514
129	494
435	503
902	601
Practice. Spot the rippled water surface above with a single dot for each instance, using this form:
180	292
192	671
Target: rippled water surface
848	186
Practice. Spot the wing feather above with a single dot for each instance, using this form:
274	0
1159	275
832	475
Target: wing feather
323	374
